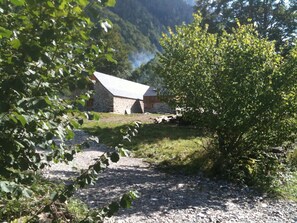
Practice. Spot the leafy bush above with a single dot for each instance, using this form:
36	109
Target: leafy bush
238	88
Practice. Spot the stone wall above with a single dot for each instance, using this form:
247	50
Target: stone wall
127	105
102	99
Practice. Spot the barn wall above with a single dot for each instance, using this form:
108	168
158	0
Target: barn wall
103	99
123	105
154	105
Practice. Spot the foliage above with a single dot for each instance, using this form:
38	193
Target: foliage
292	159
238	88
287	187
41	55
46	51
115	61
273	19
120	66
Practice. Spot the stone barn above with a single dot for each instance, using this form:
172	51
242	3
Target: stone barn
113	94
153	104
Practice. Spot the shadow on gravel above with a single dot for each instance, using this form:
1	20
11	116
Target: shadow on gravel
162	192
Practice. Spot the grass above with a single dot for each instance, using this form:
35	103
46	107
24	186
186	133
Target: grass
168	146
288	188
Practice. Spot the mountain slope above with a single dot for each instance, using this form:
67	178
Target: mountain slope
152	18
137	28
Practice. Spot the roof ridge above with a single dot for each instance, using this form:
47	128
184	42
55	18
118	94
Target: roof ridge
122	87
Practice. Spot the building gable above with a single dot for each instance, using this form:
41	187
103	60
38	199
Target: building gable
120	87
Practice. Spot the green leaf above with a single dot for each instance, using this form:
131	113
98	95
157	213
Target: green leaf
54	196
47	101
77	9
74	124
113	208
50	4
83	2
5	187
27	193
62	5
11	117
22	119
109	58
110	3
114	157
5	33
15	43
97	167
128	198
134	194
125	201
96	116
18	2
68	156
69	134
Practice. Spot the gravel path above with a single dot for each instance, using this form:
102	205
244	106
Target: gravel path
172	198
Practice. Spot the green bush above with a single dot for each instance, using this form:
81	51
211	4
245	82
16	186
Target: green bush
240	89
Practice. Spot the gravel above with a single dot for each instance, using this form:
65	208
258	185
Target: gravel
171	198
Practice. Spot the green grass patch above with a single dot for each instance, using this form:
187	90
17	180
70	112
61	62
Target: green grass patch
168	146
287	188
78	209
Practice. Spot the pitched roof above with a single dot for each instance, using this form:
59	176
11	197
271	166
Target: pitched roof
151	92
121	87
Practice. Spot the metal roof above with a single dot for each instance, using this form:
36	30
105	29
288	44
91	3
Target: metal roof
121	87
151	92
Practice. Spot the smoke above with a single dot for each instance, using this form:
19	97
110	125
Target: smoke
190	2
140	58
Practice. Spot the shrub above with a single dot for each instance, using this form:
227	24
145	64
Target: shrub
238	88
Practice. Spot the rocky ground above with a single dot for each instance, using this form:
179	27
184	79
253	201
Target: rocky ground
172	198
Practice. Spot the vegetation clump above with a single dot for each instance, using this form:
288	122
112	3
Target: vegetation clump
47	50
238	88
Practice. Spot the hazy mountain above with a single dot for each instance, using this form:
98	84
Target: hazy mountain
137	28
141	23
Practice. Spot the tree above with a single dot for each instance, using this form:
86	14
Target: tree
114	59
119	66
237	87
274	19
46	51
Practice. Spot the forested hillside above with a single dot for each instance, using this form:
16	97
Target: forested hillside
137	27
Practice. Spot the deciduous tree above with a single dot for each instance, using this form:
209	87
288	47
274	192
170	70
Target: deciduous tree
273	18
46	51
